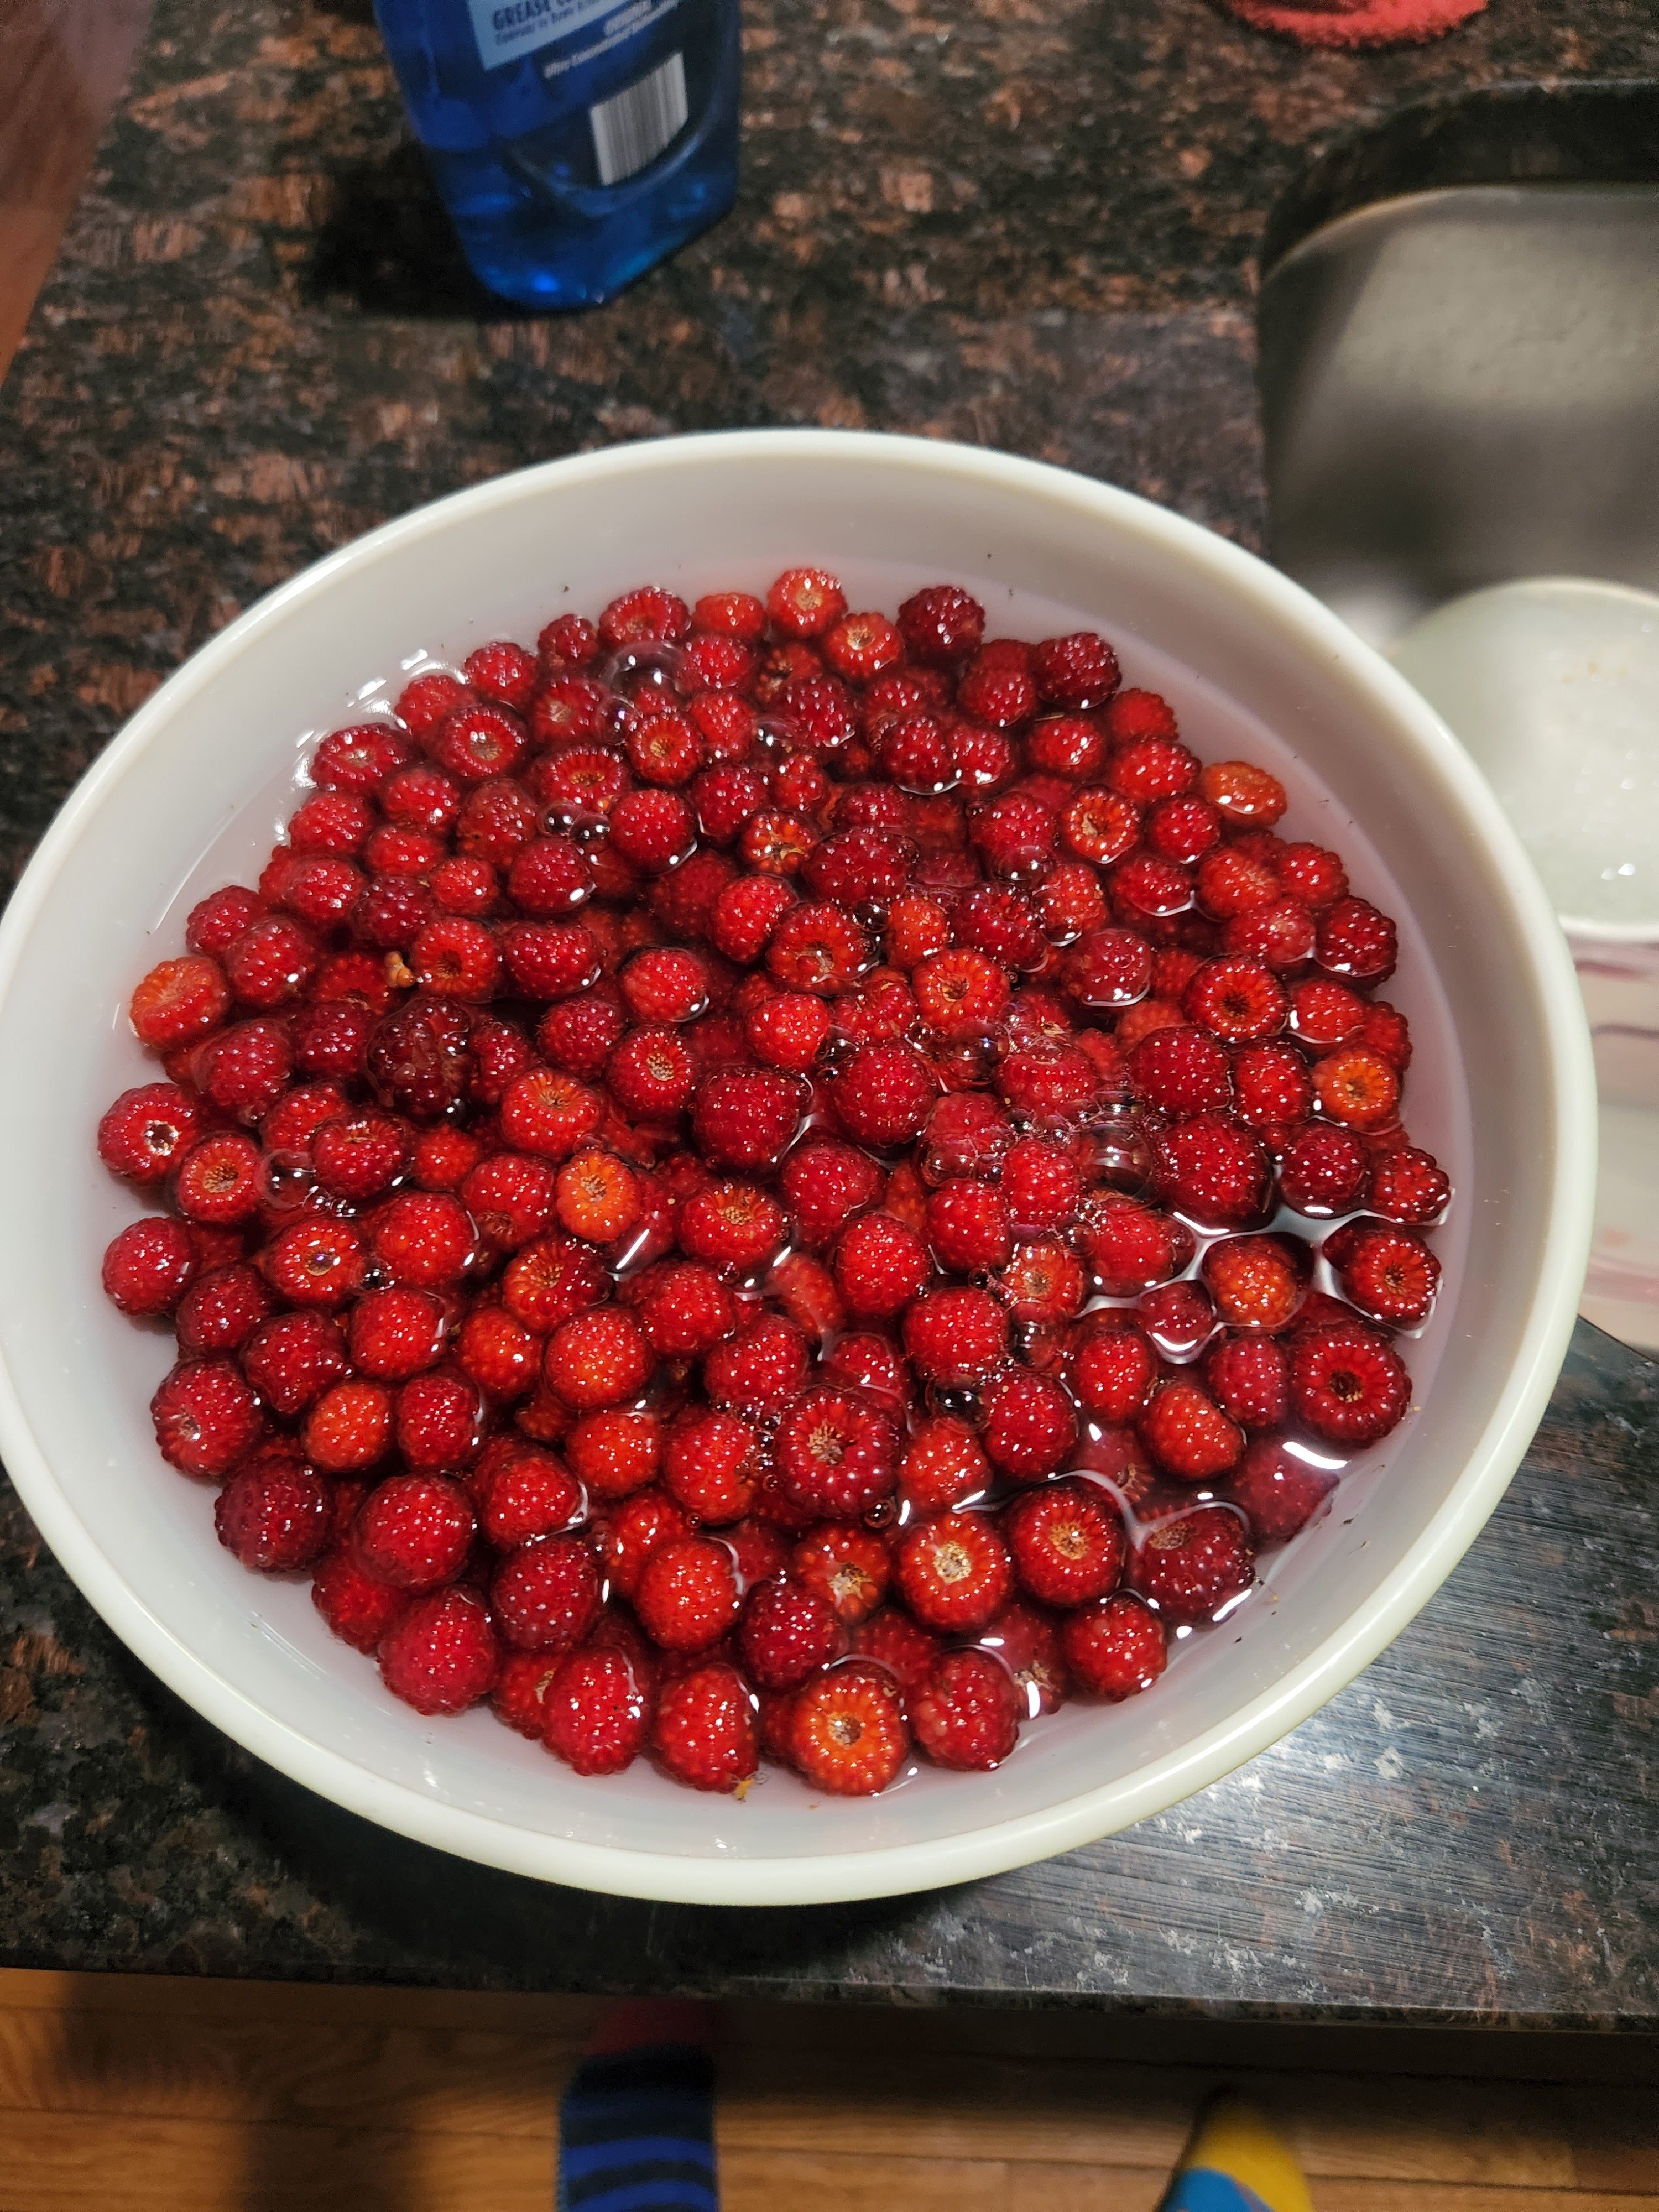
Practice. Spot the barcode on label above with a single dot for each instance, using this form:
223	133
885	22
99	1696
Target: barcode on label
633	127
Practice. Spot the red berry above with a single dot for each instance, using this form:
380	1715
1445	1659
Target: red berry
1067	1542
706	1732
273	1514
1278	1490
880	1264
1347	1383
1030	1424
1182	1072
357	1606
443	1654
1250	1378
1113	1372
967	1714
206	1417
955	1337
941	624
596	1711
1214	1169
415	1531
148	1131
221	1308
1389	1274
847	1730
955	1573
788	1632
1187	1433
546	1595
1358	1087
1323	1171
836	1457
150	1264
598	1358
291	1359
1115	1648
744	1118
349	1428
1355	939
1192	1568
1257	1282
1408	1186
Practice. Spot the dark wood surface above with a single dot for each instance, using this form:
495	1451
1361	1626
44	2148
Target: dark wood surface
1035	229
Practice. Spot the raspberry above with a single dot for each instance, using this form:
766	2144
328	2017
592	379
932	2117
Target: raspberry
517	1699
1347	1383
1256	1281
1194	1567
955	1573
1384	1029
819	949
1243	793
651	1074
1250	1378
1130	1247
526	1495
859	868
649	616
149	1265
221	1310
712	1463
597	1359
1067	1542
1355	939
725	798
705	1731
1178	1317
580	1035
955	1337
219	920
415	1531
995	692
711	662
361	758
968	1227
788	1632
550	1114
568	642
1213	1169
745	1119
1410	1187
1324	1171
359	1156
206	1417
836	1457
420	1059
550	1280
349	1427
650	830
315	1262
546	1595
439	1420
1115	1648
357	1607
684	1309
1187	1433
332	1039
846	1731
944	1465
1107	968
291	1359
1279	1492
1272	1086
443	1654
1312	874
270	963
597	1197
425	1239
148	1131
916	753
180	1000
273	1514
880	1264
596	1711
759	1368
805	602
1237	999
967	1714
941	624
847	1567
666	749
1182	1072
1389	1274
1015	835
788	1031
1113	1370
1139	1021
631	1530
289	1130
544	959
1030	1424
1358	1087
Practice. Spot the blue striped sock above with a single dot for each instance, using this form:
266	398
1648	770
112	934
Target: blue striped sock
636	2133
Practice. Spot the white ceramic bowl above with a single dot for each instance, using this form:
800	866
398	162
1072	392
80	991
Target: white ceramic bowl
191	793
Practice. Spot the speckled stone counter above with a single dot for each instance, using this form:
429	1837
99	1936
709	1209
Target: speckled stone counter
1029	227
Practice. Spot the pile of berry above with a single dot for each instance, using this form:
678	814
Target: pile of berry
763	1180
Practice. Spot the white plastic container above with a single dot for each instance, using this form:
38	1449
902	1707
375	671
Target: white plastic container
1250	660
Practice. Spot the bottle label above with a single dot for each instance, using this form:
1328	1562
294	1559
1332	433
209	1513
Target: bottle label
507	30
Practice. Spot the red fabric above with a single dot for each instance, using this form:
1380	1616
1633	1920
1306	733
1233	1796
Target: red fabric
1356	22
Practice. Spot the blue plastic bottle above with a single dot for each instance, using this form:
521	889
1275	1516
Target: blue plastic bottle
575	141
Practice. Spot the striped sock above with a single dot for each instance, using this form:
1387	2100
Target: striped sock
636	2132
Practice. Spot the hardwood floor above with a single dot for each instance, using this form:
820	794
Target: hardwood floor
141	2095
62	63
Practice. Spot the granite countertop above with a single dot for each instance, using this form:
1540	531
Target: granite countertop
1032	227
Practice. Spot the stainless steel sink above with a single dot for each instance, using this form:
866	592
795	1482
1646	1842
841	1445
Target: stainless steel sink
1459	384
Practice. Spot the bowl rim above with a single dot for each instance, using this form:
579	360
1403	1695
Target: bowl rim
835	1877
